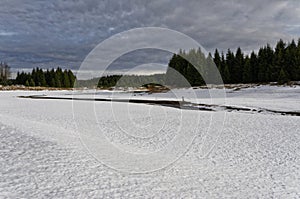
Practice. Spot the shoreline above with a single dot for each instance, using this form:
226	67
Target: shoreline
225	86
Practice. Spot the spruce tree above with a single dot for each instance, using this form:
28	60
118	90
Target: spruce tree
66	80
278	59
228	71
26	83
283	78
57	81
262	65
247	71
42	79
72	78
227	75
298	61
31	82
237	67
217	60
290	60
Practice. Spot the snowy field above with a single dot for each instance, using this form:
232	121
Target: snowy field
44	151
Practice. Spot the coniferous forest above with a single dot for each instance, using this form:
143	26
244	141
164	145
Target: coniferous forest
130	80
49	78
281	64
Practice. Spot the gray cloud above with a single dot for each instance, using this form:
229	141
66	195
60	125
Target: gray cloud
59	32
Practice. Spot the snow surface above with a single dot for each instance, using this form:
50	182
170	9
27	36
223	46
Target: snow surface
255	155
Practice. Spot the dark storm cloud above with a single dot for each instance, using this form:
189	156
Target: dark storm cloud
59	32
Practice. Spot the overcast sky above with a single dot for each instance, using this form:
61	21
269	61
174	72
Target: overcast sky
63	32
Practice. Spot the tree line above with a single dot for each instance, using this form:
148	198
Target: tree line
47	78
281	64
130	80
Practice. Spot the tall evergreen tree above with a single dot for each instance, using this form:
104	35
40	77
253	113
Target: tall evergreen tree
228	68
227	75
283	78
66	80
278	59
72	78
254	67
31	82
237	67
298	61
262	65
290	60
247	71
217	60
57	81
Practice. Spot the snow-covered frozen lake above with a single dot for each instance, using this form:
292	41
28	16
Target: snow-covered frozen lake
46	151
